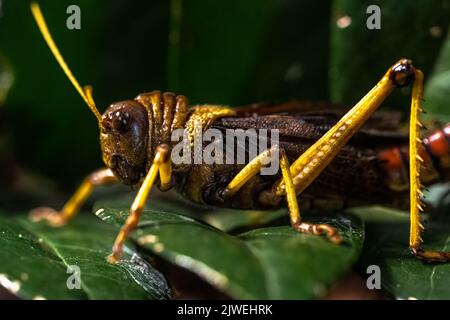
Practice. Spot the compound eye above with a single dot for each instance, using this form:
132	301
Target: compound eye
121	121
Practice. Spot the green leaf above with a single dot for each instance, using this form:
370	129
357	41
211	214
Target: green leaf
217	217
266	263
35	260
386	245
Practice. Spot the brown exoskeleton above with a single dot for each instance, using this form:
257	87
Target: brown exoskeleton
135	139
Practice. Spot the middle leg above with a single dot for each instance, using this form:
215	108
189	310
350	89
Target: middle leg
252	169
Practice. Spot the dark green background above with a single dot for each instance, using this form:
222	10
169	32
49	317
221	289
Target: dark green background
225	52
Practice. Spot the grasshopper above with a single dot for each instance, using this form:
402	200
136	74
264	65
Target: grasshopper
135	140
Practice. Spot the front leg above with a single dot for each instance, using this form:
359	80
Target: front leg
161	164
71	208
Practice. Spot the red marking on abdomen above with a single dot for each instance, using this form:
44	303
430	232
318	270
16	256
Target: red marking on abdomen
435	152
437	143
390	159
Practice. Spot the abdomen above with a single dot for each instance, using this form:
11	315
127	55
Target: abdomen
355	176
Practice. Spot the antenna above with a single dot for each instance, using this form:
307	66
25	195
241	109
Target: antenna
85	92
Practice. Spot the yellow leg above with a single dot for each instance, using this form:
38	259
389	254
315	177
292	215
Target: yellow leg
415	143
165	175
71	208
159	165
252	169
312	162
294	212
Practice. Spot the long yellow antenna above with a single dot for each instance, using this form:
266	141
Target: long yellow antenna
86	92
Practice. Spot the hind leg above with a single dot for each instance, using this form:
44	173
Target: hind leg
312	162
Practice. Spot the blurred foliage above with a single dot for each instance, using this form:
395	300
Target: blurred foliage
359	56
245	52
438	87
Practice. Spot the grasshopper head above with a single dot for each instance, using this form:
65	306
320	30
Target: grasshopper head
124	140
123	126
